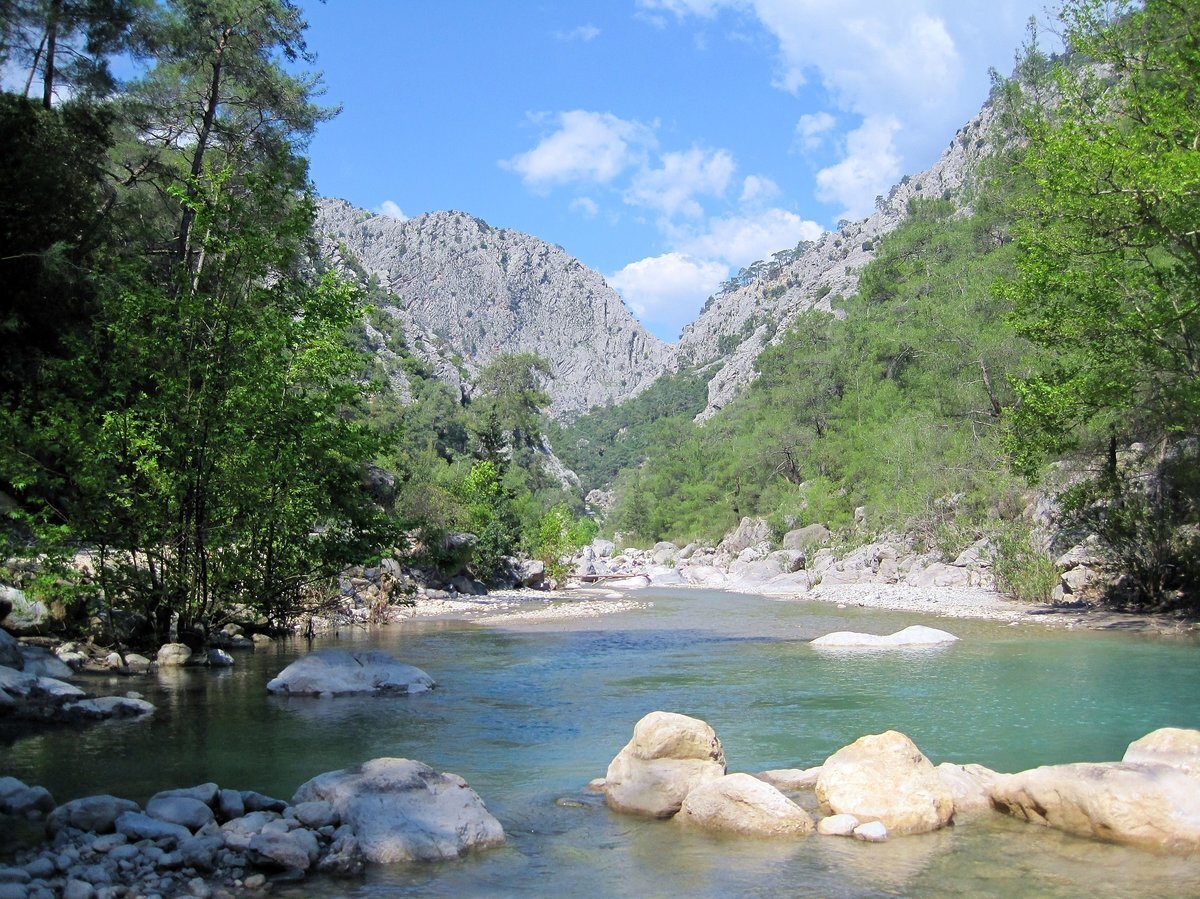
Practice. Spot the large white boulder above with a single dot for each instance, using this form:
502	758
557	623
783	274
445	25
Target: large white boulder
669	756
744	804
337	671
884	777
1150	805
914	635
970	785
1174	746
402	810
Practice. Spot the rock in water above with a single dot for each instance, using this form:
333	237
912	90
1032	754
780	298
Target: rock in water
915	635
1172	746
402	810
669	756
743	804
884	777
338	671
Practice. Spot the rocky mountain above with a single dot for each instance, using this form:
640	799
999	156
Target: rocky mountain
759	303
466	292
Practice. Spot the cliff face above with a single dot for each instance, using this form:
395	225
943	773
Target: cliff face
463	288
738	323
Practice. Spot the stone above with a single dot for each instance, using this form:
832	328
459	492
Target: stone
43	663
315	815
78	889
743	804
1154	806
200	852
532	574
1173	746
668	756
206	793
10	651
969	785
109	707
25	615
871	832
218	658
290	849
173	655
138	826
914	635
884	777
185	811
807	538
137	664
838	826
402	810
16	798
230	805
664	552
257	802
791	778
337	672
95	814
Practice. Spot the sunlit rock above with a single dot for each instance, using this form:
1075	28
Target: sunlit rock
743	804
337	671
669	755
914	635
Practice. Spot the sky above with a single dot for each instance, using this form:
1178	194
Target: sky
664	143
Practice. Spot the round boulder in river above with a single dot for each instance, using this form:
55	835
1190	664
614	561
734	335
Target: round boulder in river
333	672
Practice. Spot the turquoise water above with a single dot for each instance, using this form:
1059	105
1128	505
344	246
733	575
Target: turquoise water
529	714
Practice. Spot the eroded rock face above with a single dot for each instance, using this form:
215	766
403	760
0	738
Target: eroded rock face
402	810
743	804
337	672
668	757
1150	805
884	777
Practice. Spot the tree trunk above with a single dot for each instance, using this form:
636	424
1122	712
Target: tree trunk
51	41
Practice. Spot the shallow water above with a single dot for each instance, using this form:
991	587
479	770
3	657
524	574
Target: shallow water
528	714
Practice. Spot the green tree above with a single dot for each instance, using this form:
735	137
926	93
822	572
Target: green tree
507	411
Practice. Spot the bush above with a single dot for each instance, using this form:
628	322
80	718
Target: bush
1023	570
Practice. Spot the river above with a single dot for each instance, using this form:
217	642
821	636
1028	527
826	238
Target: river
530	712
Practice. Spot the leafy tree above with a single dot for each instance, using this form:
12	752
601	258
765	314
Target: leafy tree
508	410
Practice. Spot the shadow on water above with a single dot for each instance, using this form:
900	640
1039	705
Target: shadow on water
529	713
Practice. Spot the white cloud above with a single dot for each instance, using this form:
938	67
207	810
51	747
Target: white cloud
666	292
585	206
672	189
392	210
585	33
743	239
870	166
811	129
757	189
586	146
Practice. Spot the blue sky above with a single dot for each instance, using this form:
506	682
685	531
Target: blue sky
665	143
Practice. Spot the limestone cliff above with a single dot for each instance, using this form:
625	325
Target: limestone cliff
463	288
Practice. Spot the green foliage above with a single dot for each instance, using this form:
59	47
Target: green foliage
1023	570
558	536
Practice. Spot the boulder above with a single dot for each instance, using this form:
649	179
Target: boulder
969	785
95	814
44	663
914	635
602	548
333	672
137	826
664	553
884	777
296	849
185	811
748	532
16	798
25	615
218	658
104	707
838	826
669	755
1154	806
402	810
791	778
532	574
173	655
743	804
1172	746
10	651
871	832
804	539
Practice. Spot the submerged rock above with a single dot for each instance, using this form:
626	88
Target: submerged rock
337	671
914	635
669	756
743	804
884	777
402	810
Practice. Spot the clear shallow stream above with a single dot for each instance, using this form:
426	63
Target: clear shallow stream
530	713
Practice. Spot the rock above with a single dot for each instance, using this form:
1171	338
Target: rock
939	574
838	826
664	552
804	539
884	777
16	798
669	755
95	814
230	805
532	574
969	785
1173	746
914	635
218	658
743	804
402	810
138	826
783	584
200	852
25	615
748	532
871	832
173	655
257	802
315	815
137	664
290	849
185	811
1154	806
337	671
10	652
344	858
602	548
791	778
109	707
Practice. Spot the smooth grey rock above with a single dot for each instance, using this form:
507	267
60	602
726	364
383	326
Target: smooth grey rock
173	655
109	707
739	803
16	798
289	849
205	793
402	810
338	672
838	826
218	658
138	826
258	802
230	805
200	852
78	889
44	663
668	756
804	539
871	832
314	815
185	811
96	814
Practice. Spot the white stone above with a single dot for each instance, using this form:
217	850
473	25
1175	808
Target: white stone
871	832
914	635
668	756
838	826
1174	746
743	804
338	671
